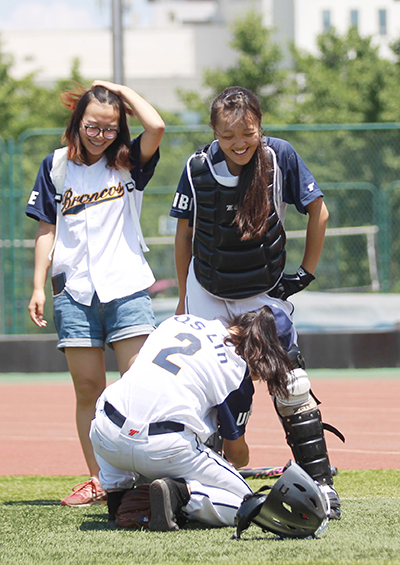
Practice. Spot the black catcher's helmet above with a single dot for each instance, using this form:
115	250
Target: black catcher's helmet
295	507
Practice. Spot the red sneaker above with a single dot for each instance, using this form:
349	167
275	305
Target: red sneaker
86	494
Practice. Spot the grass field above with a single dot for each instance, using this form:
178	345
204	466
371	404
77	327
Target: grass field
35	529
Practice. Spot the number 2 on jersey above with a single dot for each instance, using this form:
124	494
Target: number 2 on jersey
161	358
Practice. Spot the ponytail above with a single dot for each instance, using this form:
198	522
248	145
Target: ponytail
254	337
253	193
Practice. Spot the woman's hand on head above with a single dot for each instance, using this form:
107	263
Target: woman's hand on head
149	118
116	88
120	90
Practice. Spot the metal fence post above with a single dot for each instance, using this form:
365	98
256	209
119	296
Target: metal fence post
11	287
384	220
4	185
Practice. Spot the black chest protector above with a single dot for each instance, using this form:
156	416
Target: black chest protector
225	265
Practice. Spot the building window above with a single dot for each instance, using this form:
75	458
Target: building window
354	18
382	22
326	20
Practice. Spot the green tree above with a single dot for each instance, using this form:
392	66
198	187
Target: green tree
257	68
24	104
346	82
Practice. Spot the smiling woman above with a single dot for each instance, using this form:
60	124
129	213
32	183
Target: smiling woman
237	140
90	218
230	248
98	129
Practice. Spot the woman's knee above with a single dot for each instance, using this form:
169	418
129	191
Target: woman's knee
87	391
87	369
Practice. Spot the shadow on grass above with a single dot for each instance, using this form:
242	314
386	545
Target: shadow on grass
100	522
268	536
33	503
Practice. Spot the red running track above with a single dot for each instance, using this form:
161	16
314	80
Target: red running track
38	434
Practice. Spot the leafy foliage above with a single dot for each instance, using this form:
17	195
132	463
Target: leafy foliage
257	68
346	82
24	104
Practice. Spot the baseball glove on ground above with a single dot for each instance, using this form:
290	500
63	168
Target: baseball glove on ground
134	510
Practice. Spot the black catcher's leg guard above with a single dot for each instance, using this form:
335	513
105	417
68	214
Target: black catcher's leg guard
305	437
302	423
304	431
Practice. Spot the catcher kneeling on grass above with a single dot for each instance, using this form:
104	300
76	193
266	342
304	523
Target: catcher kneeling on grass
151	426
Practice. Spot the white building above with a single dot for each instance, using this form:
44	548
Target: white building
379	19
171	46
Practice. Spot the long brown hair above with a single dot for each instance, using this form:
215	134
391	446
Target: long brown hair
254	337
253	198
118	153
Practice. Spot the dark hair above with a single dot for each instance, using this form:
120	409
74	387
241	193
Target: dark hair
254	337
118	153
253	197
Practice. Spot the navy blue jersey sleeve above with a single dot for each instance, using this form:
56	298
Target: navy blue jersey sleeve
142	176
182	205
299	186
41	203
234	412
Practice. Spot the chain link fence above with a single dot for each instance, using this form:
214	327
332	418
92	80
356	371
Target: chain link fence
356	165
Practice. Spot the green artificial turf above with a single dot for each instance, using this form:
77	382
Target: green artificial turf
35	529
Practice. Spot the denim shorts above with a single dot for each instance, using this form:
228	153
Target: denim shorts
78	325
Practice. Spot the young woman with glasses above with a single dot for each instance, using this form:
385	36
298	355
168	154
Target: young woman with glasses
100	277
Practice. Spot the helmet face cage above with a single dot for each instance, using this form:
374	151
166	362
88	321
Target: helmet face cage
295	507
248	510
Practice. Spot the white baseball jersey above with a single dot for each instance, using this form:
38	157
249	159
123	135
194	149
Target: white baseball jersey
185	373
97	245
